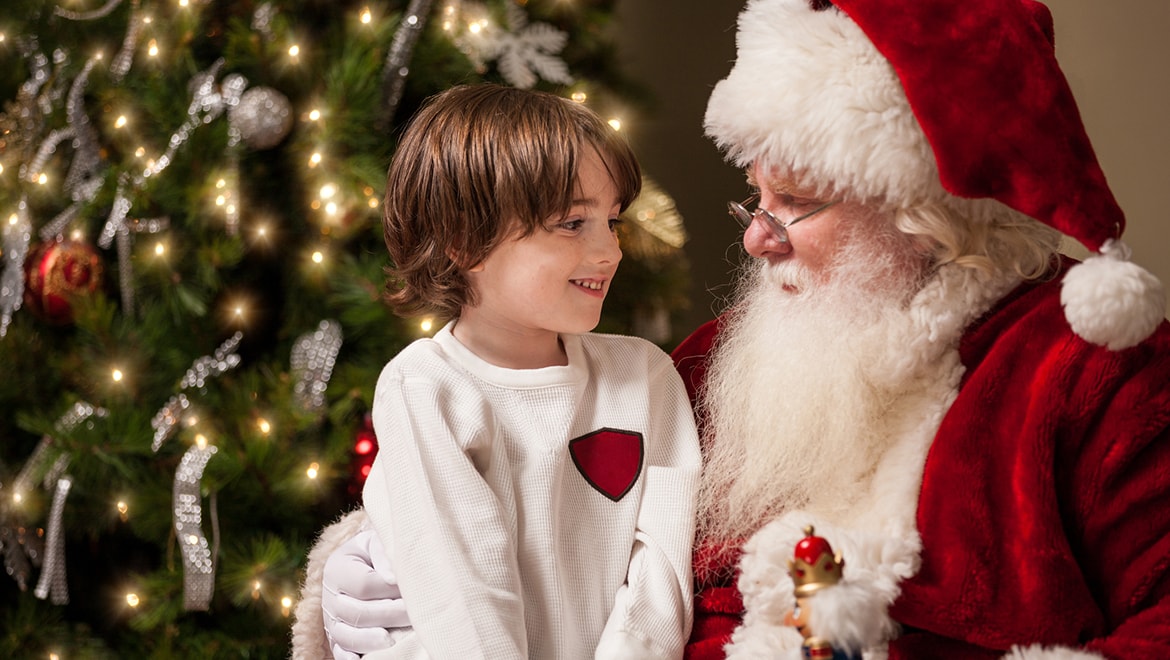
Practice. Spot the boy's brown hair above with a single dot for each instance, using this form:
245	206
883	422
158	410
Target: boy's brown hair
479	164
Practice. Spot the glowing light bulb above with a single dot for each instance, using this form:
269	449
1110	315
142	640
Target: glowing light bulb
314	468
426	325
579	97
328	190
132	599
220	200
42	178
220	184
294	50
120	122
123	509
314	115
201	441
314	160
152	48
366	16
265	427
318	257
117	375
615	124
373	202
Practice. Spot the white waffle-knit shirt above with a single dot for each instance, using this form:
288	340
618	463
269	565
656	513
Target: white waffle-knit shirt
505	544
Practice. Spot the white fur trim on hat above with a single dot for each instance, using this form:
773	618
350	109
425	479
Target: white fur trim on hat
810	92
1111	301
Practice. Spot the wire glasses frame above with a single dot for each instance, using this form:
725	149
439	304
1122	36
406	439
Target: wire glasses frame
744	217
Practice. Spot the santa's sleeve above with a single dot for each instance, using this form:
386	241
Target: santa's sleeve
1126	532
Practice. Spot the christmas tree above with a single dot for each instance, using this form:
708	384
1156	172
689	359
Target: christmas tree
190	316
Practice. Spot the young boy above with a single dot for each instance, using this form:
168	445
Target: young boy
534	487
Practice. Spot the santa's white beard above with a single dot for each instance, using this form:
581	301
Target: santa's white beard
798	397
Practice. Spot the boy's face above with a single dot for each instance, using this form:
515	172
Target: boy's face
556	279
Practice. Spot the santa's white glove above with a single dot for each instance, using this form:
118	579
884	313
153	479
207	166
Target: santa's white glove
360	599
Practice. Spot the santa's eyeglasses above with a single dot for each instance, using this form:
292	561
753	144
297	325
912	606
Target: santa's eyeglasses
744	217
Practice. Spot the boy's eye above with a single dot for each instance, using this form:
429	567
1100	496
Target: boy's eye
614	223
572	225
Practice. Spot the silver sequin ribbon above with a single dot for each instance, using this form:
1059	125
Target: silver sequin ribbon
313	357
198	558
224	358
397	66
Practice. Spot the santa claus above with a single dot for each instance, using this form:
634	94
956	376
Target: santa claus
977	424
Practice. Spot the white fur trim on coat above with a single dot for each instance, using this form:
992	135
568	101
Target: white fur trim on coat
1038	652
308	629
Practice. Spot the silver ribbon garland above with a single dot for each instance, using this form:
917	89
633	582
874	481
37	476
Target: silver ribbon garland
208	102
18	551
16	241
224	358
397	66
313	357
100	12
262	19
81	182
53	583
198	556
84	177
198	559
120	65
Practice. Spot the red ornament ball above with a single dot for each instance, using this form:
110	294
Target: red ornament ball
56	274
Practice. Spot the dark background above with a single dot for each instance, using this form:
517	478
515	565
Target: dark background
680	50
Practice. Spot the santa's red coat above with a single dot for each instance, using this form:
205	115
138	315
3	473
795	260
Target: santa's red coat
1045	503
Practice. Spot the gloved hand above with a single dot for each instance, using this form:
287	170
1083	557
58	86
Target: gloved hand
360	597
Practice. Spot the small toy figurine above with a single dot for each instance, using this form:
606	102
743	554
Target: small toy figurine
814	567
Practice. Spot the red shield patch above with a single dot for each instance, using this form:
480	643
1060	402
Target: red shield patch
609	459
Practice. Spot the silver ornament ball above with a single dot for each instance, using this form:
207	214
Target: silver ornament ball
263	117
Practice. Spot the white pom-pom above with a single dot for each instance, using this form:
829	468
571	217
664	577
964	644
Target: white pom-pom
1111	301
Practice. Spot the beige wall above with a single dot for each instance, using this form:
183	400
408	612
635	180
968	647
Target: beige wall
1116	56
1115	53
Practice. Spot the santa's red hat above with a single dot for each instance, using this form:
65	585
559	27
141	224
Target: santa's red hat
957	102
